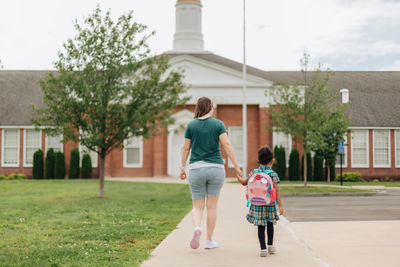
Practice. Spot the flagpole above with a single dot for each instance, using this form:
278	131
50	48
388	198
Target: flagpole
244	104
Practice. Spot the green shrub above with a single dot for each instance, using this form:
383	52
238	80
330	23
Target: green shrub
16	176
38	162
318	167
294	165
86	171
309	167
388	179
3	177
374	181
350	177
280	162
59	165
49	170
73	171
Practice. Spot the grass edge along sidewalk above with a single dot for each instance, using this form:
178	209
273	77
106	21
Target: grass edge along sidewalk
63	223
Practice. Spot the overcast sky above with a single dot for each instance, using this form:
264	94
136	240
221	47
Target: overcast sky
341	34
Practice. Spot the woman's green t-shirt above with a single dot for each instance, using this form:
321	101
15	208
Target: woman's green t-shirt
204	135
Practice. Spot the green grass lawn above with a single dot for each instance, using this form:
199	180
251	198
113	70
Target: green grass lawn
387	184
286	190
63	223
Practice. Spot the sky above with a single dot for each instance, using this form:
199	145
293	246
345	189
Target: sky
339	34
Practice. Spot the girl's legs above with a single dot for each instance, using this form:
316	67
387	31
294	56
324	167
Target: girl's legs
261	236
212	203
270	233
197	211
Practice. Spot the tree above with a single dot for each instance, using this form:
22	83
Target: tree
38	163
50	161
109	87
294	165
86	171
279	165
73	171
300	107
59	165
309	165
318	167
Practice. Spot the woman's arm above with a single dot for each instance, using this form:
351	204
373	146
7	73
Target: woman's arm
185	154
226	144
278	198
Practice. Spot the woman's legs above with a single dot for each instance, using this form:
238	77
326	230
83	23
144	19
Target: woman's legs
197	211
212	203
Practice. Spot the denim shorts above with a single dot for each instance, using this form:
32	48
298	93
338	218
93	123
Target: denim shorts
206	180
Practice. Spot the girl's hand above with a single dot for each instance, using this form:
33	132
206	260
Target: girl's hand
281	210
182	175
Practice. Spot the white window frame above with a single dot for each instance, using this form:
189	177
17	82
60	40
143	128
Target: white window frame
140	165
396	155
353	165
2	148
239	159
24	151
95	163
373	150
290	145
47	143
345	156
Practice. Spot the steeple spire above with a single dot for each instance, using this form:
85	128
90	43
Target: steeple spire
188	36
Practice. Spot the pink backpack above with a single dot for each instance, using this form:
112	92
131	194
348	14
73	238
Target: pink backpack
260	188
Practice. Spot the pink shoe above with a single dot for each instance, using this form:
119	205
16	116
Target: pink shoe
195	242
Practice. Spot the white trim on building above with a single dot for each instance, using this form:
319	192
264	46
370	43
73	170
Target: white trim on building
133	143
285	140
366	148
397	148
375	147
3	156
235	135
34	147
50	142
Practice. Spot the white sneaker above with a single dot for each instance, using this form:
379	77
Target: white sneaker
263	253
210	244
195	242
271	250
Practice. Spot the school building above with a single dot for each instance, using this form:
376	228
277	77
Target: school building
373	147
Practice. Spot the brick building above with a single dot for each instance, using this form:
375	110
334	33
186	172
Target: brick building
373	146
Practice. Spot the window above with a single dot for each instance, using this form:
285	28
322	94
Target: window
381	148
344	157
133	152
32	142
235	134
397	147
93	155
54	142
359	149
10	148
284	140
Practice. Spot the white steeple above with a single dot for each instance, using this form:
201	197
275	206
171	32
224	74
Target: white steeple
188	36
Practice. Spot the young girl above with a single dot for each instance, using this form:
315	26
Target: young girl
266	215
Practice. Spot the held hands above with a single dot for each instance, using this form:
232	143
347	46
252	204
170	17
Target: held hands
239	174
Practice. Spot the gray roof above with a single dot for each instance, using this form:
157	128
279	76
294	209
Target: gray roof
375	95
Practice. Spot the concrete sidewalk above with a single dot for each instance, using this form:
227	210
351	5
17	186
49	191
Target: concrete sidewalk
237	240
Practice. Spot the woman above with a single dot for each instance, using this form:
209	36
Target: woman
206	168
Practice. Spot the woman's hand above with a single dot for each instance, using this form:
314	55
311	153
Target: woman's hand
182	175
238	172
281	210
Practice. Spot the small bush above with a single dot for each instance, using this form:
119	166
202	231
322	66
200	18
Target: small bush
350	177
294	165
73	171
374	181
38	164
16	176
280	162
59	165
86	171
49	170
387	179
318	167
3	177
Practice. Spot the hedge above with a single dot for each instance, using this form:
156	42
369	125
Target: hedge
59	165
38	163
86	171
294	165
73	171
280	162
318	167
14	176
350	177
49	170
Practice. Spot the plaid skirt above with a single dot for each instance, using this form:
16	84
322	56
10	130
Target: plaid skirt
260	215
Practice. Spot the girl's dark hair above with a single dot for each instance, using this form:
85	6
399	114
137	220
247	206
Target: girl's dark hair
265	155
203	107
